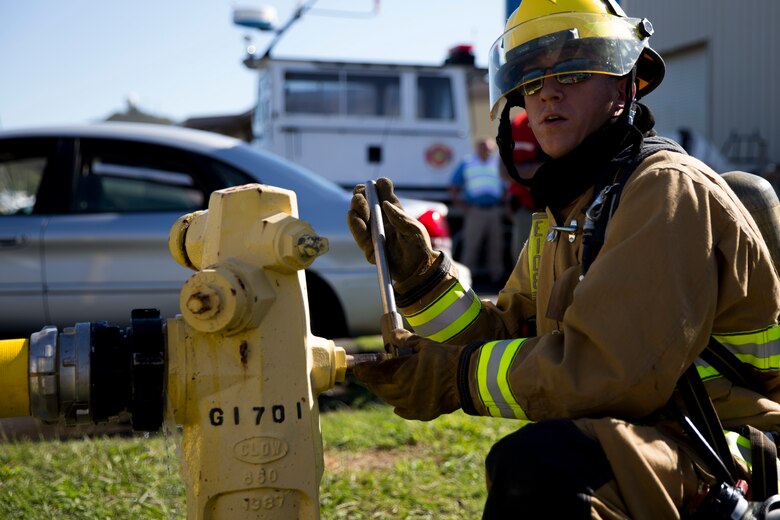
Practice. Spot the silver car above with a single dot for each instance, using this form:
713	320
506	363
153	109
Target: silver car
85	213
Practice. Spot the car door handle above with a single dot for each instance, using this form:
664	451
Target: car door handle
13	241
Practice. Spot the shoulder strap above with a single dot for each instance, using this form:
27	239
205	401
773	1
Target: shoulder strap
729	366
607	198
763	453
704	426
704	418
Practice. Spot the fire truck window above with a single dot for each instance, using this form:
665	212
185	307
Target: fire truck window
434	98
311	93
373	95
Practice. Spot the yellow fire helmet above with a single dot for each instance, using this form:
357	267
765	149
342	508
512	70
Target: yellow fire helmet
576	36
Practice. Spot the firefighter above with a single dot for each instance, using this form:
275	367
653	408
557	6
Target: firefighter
598	320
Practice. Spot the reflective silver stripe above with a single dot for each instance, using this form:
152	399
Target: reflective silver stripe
448	315
760	349
493	365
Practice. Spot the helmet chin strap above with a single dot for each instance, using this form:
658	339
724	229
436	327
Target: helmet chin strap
631	113
630	109
505	140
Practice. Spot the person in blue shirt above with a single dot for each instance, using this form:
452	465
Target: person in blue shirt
478	191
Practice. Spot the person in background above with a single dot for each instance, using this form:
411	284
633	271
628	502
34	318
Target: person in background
478	191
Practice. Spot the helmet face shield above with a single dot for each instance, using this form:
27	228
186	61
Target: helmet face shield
566	72
566	45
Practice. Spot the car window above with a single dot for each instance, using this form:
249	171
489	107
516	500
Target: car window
22	164
267	168
131	177
228	176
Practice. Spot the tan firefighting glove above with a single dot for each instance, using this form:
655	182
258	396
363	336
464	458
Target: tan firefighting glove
407	245
420	386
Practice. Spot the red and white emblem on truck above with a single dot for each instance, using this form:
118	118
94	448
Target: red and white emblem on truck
438	155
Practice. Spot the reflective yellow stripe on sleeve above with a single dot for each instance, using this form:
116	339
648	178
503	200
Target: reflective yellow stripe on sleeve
760	348
493	365
448	315
539	225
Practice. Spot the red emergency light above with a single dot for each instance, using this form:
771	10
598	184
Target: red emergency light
460	55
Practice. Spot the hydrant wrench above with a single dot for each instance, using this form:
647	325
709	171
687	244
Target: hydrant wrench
385	282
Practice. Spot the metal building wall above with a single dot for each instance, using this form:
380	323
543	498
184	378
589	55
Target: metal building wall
742	43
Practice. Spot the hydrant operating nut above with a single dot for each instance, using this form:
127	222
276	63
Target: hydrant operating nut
204	303
215	300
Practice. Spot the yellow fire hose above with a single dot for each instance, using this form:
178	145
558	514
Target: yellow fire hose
14	380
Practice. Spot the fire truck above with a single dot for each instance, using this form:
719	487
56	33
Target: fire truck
355	121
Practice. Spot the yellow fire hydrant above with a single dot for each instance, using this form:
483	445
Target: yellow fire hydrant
242	370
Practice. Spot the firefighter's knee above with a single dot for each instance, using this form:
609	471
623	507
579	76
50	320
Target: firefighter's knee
545	469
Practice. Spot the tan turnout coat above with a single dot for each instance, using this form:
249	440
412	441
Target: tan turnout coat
682	259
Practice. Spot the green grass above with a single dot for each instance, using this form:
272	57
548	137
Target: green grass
378	466
102	478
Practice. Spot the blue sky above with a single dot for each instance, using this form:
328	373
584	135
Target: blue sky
72	61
